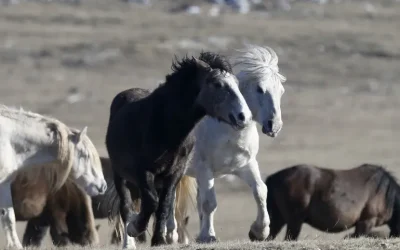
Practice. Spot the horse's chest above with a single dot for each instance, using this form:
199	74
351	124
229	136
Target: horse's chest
230	156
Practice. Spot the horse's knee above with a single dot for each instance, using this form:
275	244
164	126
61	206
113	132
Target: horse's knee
209	204
262	192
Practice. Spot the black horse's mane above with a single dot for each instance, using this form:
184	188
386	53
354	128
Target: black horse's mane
216	61
189	65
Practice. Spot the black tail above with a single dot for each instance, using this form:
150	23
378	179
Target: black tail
112	201
272	183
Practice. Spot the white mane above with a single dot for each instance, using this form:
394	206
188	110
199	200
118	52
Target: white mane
91	150
57	172
255	62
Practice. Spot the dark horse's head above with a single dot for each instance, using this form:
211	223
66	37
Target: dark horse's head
219	94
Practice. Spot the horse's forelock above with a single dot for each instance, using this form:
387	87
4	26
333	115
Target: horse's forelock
257	62
216	61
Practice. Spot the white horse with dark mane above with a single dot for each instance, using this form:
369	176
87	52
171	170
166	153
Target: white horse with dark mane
221	150
34	145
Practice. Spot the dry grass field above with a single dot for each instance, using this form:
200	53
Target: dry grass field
340	108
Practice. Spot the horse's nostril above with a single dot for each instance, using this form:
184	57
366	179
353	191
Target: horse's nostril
270	124
104	187
241	116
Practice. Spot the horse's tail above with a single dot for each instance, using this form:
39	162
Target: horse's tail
114	213
118	231
111	196
185	194
275	215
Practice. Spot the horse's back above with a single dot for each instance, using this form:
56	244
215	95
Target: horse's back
294	177
127	96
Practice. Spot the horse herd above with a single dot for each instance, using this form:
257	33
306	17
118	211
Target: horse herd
167	146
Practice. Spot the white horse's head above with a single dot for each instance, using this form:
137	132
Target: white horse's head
86	168
261	85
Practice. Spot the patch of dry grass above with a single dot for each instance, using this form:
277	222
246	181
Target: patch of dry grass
349	244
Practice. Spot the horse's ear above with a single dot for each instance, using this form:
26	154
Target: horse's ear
202	63
82	134
98	227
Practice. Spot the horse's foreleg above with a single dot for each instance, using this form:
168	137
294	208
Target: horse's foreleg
59	236
364	227
182	233
251	175
125	211
165	208
207	204
172	234
8	216
148	204
35	231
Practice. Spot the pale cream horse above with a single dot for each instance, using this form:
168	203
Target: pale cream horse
30	142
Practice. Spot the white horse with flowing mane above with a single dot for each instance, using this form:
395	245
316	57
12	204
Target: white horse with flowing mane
33	146
221	150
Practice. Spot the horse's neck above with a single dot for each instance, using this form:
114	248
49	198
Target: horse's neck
38	155
33	146
179	111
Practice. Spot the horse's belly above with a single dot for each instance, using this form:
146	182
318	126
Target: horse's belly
331	217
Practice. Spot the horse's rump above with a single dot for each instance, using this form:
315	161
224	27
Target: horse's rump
126	96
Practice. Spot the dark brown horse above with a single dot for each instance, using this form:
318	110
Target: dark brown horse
149	143
68	213
333	200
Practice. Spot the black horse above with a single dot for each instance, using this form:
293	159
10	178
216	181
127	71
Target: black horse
147	139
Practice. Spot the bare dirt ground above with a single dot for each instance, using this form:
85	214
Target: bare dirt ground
340	108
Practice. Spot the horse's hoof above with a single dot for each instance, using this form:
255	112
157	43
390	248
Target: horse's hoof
206	240
158	240
142	238
259	232
172	237
254	237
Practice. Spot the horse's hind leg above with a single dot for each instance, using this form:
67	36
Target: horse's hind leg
148	204
8	217
251	175
165	206
125	209
172	234
35	231
59	229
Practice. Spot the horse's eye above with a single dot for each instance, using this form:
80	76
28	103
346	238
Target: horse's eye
218	85
260	90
